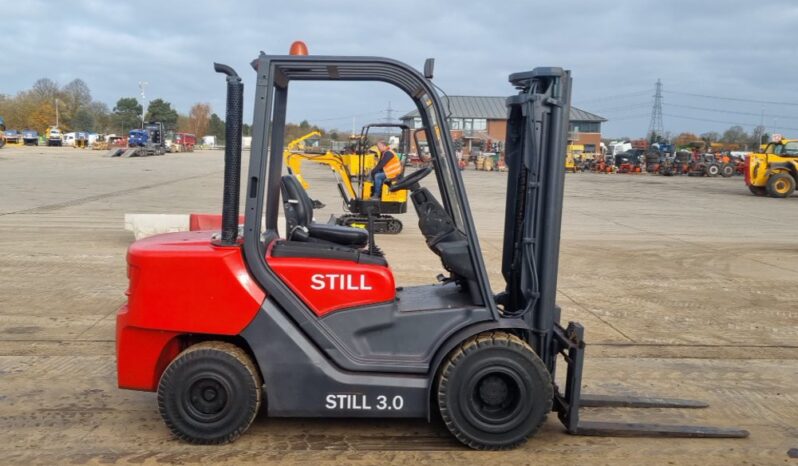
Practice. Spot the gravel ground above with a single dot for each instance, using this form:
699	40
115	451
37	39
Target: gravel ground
686	286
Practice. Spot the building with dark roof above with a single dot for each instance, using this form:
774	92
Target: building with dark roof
482	122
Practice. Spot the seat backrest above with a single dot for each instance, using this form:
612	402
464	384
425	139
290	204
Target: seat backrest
297	204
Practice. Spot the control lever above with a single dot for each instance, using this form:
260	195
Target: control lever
371	206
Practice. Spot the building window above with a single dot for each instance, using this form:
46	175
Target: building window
455	123
585	127
417	122
472	124
590	148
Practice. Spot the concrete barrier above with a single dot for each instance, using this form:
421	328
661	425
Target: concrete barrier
144	225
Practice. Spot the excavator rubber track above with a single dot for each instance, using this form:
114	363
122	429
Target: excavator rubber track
383	224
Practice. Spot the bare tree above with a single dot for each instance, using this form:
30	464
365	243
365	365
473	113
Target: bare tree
710	136
735	135
199	117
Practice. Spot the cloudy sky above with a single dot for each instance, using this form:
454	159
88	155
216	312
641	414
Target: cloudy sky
718	51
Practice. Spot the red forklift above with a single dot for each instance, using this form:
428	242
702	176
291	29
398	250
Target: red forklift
308	320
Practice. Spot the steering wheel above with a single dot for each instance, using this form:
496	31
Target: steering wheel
409	181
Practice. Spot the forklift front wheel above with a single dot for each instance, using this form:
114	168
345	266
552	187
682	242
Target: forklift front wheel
210	393
494	391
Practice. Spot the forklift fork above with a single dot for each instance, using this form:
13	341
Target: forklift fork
570	344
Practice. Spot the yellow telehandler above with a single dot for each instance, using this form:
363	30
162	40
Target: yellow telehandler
774	170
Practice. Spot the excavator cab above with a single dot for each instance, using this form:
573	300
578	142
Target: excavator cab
366	157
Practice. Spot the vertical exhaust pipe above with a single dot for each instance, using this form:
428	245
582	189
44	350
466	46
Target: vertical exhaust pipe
232	154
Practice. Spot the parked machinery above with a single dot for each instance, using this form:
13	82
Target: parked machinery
629	161
13	137
728	166
183	142
2	132
657	156
54	136
702	162
681	162
109	141
142	142
589	161
704	165
603	163
573	157
311	324
81	140
30	137
101	143
774	171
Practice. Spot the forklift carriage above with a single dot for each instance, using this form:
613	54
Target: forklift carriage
312	324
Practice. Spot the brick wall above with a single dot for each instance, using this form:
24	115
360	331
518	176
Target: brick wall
497	129
587	139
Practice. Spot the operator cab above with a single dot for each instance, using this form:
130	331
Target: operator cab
335	277
328	240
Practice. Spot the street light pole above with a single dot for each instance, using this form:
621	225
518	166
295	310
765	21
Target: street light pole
142	85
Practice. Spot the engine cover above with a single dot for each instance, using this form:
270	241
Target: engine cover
327	285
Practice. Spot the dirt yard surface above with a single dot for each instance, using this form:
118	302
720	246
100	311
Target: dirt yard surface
688	287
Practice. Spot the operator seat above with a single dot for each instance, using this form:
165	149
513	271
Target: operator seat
300	226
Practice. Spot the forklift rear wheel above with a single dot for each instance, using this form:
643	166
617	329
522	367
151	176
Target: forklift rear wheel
781	185
758	190
210	393
494	391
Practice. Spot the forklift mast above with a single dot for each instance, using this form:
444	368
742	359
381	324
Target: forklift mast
535	156
535	152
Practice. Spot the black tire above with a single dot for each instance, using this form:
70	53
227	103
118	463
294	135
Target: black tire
493	391
758	190
712	170
727	170
210	393
781	185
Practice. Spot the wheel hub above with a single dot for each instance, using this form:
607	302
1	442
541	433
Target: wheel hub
493	390
495	397
207	398
209	394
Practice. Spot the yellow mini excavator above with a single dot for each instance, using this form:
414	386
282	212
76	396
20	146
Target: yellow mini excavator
352	168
